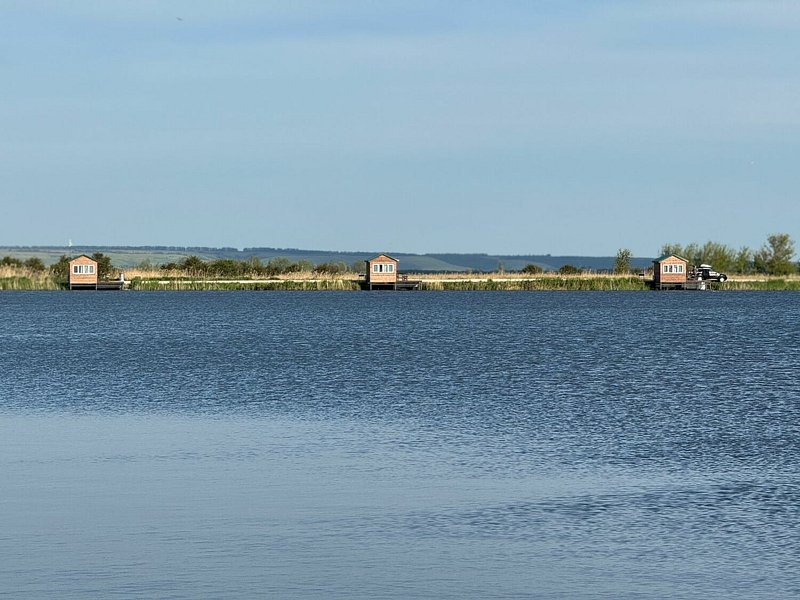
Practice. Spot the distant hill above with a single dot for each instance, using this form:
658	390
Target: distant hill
128	256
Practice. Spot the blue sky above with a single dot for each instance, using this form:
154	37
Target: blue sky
503	127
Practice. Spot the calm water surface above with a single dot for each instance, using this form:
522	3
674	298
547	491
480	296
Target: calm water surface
356	445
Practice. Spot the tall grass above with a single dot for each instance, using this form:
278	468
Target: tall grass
588	282
773	284
549	283
158	274
21	278
256	285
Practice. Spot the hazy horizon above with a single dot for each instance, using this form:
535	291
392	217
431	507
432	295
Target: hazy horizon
295	249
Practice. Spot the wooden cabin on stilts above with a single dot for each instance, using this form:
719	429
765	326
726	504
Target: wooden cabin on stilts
671	272
382	274
84	274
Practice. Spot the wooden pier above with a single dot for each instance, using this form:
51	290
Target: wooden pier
688	285
99	286
401	283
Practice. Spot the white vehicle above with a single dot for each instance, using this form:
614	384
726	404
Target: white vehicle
707	273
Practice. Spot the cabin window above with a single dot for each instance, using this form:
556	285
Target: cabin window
672	268
83	269
382	268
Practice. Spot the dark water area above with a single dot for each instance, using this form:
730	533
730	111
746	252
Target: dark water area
400	445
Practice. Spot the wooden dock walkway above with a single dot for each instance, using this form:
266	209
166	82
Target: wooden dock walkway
689	285
99	286
403	283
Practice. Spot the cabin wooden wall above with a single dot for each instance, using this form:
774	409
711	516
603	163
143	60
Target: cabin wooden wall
84	278
676	276
382	277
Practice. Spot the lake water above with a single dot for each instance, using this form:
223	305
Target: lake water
399	445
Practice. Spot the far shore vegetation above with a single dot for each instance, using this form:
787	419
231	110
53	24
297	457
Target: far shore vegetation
771	267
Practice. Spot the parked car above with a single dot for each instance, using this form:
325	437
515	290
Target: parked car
707	273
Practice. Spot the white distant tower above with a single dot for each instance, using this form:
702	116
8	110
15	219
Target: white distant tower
69	243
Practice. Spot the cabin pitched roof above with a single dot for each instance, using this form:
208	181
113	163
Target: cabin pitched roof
382	256
82	256
666	256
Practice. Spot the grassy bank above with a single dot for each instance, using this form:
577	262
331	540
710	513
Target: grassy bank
28	283
576	283
19	278
766	285
500	282
180	284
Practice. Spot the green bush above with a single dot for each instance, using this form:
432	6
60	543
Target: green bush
35	264
532	269
569	270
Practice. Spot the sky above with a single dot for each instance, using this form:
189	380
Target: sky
564	127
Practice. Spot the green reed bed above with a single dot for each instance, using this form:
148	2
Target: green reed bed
29	283
541	284
769	285
545	283
263	285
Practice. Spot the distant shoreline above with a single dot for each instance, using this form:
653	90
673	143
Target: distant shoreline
451	282
127	257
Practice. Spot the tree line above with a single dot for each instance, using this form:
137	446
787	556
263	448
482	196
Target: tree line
60	268
251	267
195	266
775	257
32	264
